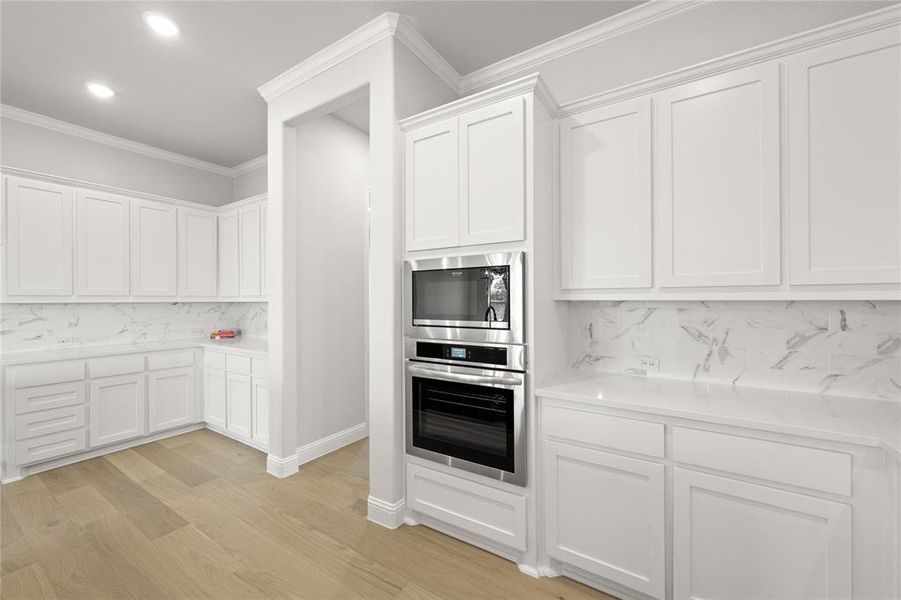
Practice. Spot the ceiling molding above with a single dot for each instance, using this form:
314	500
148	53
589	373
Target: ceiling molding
38	120
530	60
407	34
251	165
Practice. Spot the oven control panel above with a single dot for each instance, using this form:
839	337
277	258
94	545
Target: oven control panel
489	355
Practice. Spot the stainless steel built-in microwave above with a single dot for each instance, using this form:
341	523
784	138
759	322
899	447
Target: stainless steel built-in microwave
470	298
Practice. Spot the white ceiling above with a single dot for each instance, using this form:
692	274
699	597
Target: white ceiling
196	94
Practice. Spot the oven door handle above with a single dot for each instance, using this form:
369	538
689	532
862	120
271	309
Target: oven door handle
463	377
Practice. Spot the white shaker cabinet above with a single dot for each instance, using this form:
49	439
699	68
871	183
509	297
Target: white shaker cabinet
264	250
605	202
154	264
197	253
718	180
214	403
249	251
102	244
117	409
228	254
431	183
260	411
239	412
39	244
171	399
844	155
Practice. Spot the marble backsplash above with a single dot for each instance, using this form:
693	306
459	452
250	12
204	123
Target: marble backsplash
41	326
830	348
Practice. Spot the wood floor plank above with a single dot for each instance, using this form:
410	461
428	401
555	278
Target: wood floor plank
85	505
187	471
27	583
169	490
135	466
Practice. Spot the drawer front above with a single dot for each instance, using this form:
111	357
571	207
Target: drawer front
259	367
170	360
47	373
116	365
216	360
812	468
485	511
45	397
45	422
237	364
50	446
618	433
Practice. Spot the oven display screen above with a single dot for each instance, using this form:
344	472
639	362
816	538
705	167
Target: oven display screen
458	353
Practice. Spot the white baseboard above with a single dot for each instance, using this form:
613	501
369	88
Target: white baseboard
529	570
282	467
386	514
329	444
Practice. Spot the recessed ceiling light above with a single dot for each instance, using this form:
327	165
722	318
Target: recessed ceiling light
160	24
100	90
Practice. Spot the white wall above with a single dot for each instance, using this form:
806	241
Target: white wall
251	183
332	173
34	148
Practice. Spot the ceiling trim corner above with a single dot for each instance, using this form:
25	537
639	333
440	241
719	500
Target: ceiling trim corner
246	167
410	37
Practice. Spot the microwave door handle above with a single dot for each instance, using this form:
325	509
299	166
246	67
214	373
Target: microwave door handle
462	377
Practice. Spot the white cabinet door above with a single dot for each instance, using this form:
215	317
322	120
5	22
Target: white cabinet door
154	267
239	397
249	251
844	156
39	238
172	398
260	416
214	398
492	173
605	197
228	254
605	514
718	181
102	244
117	409
264	249
733	539
197	253
430	187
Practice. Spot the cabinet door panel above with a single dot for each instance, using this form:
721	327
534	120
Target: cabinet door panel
777	544
171	398
117	409
249	251
228	254
154	241
845	148
239	397
264	250
605	187
605	514
197	253
39	246
260	417
102	244
718	181
492	174
214	398
431	203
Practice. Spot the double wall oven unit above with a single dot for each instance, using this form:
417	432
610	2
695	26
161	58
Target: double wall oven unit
466	362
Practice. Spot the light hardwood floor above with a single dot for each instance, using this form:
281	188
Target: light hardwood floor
196	516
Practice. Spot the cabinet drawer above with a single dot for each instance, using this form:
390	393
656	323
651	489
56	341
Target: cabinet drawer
491	513
45	397
237	364
44	422
618	433
50	446
215	360
170	360
812	468
48	373
259	367
116	365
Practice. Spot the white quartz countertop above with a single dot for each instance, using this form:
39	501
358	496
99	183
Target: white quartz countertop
248	346
854	420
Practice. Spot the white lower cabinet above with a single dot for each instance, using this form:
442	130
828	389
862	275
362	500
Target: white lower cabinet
260	411
214	398
117	409
604	514
238	396
171	399
733	539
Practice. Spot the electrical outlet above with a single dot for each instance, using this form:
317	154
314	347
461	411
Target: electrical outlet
648	363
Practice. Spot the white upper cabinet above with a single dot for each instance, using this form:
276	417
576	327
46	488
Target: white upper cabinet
249	250
431	200
605	197
197	253
844	156
228	254
264	248
718	180
39	238
154	266
492	173
102	244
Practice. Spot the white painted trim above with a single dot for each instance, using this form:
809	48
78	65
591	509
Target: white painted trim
618	24
386	514
407	35
528	570
251	165
282	467
330	443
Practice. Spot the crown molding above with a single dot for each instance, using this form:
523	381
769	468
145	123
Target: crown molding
407	35
251	165
530	60
872	21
